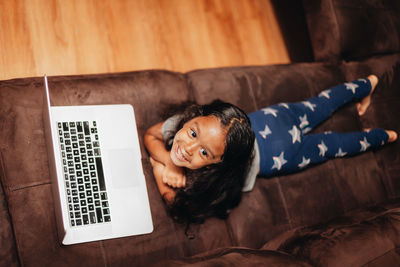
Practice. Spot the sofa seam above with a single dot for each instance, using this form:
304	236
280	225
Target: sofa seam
232	237
337	29
189	88
251	90
385	179
394	248
103	253
31	185
3	175
284	204
393	23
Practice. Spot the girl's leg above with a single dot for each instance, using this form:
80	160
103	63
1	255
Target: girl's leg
315	110
317	148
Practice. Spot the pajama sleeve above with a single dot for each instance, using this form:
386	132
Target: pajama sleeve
169	126
253	171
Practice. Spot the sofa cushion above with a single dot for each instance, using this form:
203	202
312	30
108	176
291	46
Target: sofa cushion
237	256
383	112
349	30
277	204
367	236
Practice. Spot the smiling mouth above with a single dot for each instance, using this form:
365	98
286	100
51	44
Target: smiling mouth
179	154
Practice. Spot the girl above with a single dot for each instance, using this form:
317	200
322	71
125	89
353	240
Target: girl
206	156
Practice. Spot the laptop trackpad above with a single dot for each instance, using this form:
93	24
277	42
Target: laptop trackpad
123	168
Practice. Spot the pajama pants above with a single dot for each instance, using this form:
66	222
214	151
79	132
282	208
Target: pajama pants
281	131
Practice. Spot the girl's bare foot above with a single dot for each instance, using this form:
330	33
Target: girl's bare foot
392	135
364	103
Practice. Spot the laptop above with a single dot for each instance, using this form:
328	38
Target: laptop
96	171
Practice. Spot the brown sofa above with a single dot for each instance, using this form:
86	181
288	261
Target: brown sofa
345	212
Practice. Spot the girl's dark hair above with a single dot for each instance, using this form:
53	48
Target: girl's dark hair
215	189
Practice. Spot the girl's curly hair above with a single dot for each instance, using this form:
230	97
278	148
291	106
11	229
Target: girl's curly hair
215	189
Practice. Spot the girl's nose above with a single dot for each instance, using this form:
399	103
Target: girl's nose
190	147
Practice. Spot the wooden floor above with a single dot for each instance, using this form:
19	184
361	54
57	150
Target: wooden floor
60	37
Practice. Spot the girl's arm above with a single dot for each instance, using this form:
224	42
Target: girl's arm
154	142
166	191
166	173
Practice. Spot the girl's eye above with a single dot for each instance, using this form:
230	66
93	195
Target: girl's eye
193	133
203	152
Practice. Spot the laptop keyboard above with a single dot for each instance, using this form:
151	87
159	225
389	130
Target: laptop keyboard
83	173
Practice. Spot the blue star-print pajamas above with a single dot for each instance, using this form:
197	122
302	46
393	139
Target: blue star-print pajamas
281	131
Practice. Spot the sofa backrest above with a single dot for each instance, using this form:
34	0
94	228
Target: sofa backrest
352	30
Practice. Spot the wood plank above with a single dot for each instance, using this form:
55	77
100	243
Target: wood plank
99	36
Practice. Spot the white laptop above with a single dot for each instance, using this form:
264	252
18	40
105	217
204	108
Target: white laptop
97	176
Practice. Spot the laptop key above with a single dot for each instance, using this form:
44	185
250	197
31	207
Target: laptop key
65	126
86	127
92	217
79	126
85	219
99	215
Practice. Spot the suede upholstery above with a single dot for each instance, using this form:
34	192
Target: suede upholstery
344	212
353	30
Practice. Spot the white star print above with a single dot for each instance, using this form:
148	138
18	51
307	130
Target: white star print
340	153
295	133
309	105
284	105
362	80
270	111
265	132
279	161
304	163
322	149
364	144
303	121
325	94
351	86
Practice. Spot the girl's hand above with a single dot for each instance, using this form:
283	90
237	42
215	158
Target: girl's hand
166	191
174	176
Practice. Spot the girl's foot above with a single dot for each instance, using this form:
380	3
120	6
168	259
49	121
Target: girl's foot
392	135
364	103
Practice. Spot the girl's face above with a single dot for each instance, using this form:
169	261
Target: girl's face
200	142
